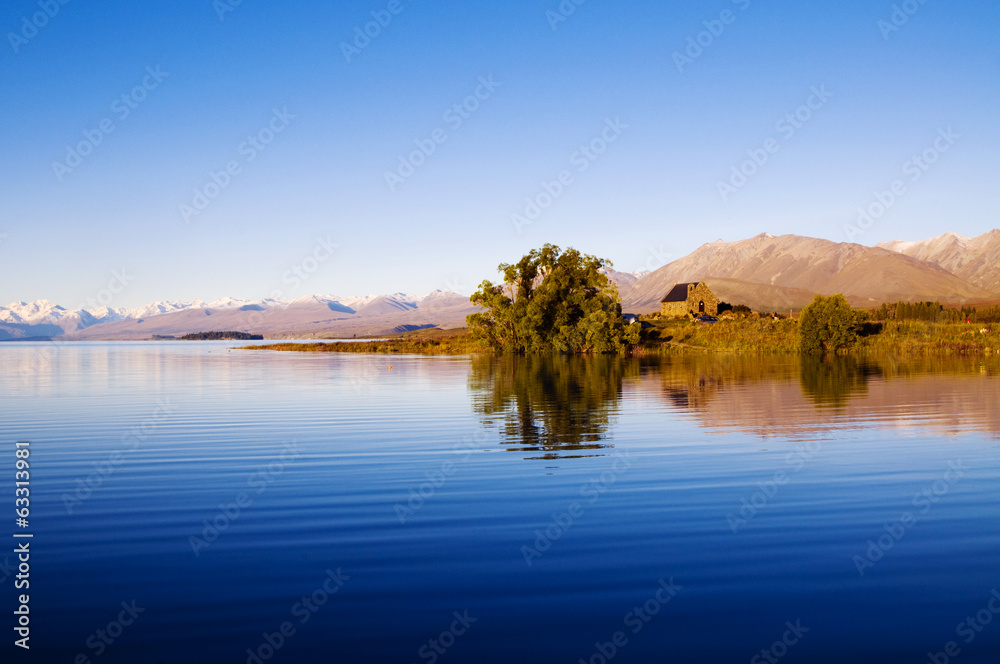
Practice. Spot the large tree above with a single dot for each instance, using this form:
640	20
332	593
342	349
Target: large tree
551	300
828	324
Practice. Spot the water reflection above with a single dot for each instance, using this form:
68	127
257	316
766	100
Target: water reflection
568	407
831	381
693	382
373	437
798	397
560	406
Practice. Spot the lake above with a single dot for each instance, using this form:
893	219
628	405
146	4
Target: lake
192	503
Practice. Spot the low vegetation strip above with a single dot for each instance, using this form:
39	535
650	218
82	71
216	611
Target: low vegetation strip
458	344
739	336
922	338
221	336
769	337
561	302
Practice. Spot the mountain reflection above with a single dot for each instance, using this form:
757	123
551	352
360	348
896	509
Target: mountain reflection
560	406
803	396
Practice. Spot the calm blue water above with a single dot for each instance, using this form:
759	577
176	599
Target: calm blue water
684	511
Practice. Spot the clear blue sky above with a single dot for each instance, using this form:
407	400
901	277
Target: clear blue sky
652	195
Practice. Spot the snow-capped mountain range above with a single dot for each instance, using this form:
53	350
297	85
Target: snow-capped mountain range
42	318
765	272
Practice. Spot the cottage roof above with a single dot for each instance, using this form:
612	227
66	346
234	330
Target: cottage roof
679	293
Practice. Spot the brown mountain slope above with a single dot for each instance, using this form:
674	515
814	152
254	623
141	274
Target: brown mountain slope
977	259
867	275
759	297
298	319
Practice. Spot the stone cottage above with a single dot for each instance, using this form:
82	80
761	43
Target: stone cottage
692	298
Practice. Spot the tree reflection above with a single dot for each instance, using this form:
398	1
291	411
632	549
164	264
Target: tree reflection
830	381
552	404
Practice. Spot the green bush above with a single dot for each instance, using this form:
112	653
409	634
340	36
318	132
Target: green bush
551	300
828	325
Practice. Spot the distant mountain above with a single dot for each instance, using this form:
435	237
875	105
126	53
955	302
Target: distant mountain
759	297
764	297
22	312
765	272
387	304
868	275
306	316
977	259
42	318
624	278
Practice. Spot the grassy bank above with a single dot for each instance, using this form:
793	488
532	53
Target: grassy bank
909	338
772	337
754	336
430	342
746	336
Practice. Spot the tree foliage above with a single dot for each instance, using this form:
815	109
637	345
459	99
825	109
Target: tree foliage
934	312
828	324
218	336
551	300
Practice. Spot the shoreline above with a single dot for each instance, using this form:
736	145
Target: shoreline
748	337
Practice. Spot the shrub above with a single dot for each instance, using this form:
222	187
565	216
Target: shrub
551	300
827	325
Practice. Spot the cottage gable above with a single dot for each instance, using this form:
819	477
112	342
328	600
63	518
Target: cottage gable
694	298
